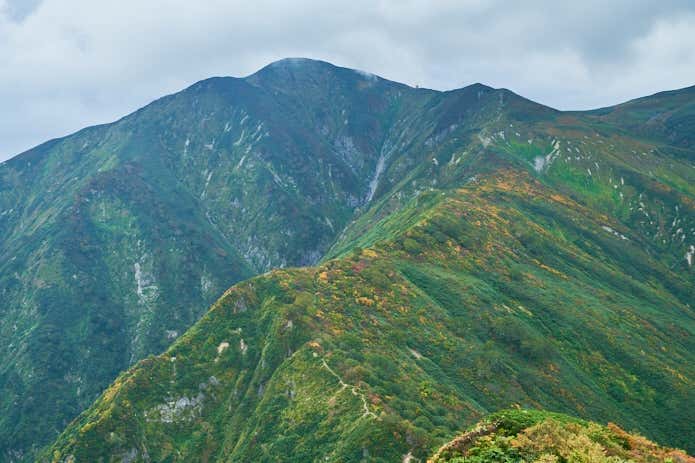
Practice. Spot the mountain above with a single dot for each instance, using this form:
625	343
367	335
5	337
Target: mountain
117	238
505	253
667	116
528	435
460	251
496	293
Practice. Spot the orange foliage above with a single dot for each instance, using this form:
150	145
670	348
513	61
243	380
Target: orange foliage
364	301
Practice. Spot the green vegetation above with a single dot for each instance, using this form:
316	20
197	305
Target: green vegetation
449	273
387	350
118	238
515	436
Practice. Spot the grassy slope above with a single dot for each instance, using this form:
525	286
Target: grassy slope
530	435
87	288
117	239
668	116
501	292
271	168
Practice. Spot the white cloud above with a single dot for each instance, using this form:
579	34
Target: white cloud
66	64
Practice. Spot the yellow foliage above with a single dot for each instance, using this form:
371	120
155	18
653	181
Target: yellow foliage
365	301
85	429
552	270
547	458
315	345
569	441
369	253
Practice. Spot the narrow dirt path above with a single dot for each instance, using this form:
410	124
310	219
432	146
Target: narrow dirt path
355	390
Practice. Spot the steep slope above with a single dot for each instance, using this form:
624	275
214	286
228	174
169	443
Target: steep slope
646	185
117	238
669	116
503	291
482	206
529	435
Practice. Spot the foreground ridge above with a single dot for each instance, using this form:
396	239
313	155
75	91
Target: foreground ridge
538	436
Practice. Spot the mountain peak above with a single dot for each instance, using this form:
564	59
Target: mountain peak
296	61
309	75
294	66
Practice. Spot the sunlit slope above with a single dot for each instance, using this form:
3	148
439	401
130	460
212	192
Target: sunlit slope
501	292
529	435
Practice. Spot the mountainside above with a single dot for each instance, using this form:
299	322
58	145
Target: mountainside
668	116
117	238
497	293
527	435
496	271
470	249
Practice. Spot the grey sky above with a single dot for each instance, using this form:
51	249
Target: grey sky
66	64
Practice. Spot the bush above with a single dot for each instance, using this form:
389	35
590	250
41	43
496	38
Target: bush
412	247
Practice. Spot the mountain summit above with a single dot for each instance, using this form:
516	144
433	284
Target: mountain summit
407	261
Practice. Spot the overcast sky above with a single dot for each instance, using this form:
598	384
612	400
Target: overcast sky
66	64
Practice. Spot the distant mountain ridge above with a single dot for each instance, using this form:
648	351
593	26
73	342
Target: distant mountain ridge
118	237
